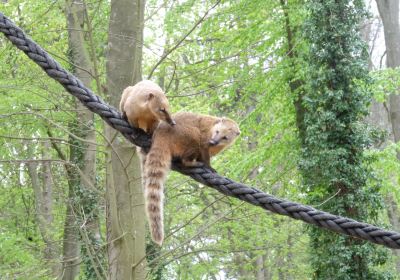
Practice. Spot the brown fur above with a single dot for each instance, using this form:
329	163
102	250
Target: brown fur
189	140
145	105
216	134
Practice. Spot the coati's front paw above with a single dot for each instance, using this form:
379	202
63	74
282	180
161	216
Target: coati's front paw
198	164
192	163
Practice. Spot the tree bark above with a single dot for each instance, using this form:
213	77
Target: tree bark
83	155
260	270
389	13
125	203
42	184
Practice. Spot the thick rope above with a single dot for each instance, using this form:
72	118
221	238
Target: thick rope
203	175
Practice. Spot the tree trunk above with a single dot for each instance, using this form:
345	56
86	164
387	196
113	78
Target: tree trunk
71	253
125	203
260	271
389	12
83	155
42	184
47	207
332	150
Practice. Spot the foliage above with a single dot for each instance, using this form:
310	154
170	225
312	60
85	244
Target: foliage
333	163
233	65
386	82
237	62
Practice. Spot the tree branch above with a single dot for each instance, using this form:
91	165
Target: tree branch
168	52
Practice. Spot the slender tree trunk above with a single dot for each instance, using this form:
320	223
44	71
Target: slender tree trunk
267	270
47	208
260	271
125	204
42	184
83	155
389	12
71	246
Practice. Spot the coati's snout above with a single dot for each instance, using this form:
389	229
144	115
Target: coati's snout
219	139
224	132
160	107
163	114
167	117
212	142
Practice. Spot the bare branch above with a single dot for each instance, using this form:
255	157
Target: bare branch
168	52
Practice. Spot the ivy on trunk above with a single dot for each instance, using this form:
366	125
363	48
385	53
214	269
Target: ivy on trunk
333	164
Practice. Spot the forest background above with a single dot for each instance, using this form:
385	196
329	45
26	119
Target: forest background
318	109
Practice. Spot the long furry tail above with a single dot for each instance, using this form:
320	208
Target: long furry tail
157	165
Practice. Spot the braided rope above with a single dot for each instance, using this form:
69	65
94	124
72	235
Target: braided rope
203	175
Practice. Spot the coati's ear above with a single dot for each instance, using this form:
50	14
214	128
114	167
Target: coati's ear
218	120
151	95
238	132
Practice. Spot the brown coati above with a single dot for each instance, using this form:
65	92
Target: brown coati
195	138
144	105
216	134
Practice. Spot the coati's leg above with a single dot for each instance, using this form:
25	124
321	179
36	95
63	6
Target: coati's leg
198	160
190	158
196	163
205	157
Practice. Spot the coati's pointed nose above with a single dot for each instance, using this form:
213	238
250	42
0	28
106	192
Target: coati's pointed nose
170	121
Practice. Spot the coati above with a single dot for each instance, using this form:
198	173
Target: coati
216	134
194	138
144	105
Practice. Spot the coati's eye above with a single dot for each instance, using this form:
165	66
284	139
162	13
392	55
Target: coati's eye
225	138
162	110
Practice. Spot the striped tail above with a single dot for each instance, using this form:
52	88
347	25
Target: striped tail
157	165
